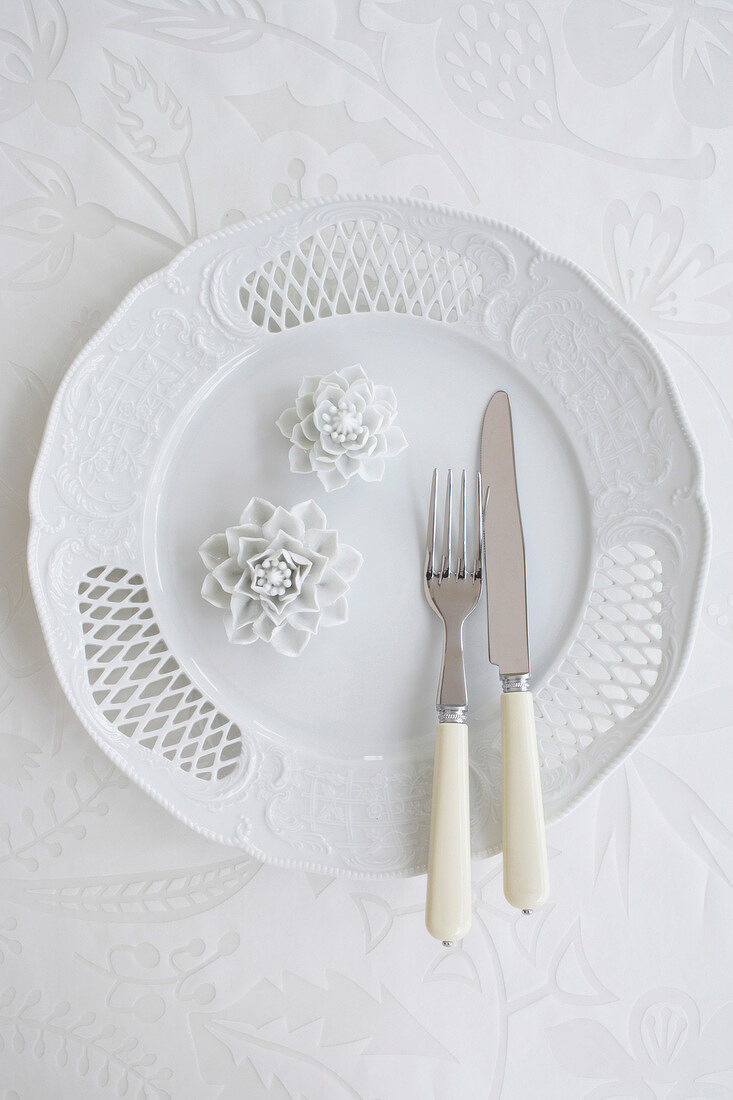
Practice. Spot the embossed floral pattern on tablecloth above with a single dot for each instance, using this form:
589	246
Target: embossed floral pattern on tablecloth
139	959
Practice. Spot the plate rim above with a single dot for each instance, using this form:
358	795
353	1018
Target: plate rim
244	843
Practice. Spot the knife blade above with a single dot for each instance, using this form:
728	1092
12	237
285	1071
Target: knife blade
506	591
526	880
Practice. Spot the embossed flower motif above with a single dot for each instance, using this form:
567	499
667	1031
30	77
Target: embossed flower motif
26	66
611	46
48	222
668	288
669	1049
279	575
341	426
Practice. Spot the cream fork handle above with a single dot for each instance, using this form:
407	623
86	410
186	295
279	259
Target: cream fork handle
448	905
526	879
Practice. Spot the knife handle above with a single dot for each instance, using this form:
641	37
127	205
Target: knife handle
526	879
448	904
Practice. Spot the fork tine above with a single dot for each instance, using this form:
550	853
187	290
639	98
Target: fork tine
432	522
477	570
461	566
448	527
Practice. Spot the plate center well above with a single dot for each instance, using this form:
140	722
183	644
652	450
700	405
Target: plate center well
367	688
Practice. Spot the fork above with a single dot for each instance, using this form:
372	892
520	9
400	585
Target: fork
452	588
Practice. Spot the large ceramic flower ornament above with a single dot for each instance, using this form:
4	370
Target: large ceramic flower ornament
279	575
340	426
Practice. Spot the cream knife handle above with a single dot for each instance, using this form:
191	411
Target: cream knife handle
526	880
448	905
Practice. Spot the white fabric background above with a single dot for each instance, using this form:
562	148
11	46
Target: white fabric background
137	959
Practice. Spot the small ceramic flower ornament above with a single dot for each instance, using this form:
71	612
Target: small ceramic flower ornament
341	426
279	575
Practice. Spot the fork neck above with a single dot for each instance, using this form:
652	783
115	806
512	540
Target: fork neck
452	696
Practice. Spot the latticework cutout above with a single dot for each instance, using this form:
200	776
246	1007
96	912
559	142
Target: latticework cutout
615	661
140	688
359	266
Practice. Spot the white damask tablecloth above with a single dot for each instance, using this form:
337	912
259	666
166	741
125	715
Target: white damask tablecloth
138	959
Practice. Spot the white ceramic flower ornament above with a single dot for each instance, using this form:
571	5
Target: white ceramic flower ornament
279	575
342	425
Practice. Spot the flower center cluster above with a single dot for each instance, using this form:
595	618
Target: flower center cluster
272	576
342	422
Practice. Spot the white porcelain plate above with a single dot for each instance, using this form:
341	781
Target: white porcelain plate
164	428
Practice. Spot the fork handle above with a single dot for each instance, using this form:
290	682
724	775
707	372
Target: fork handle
448	905
526	879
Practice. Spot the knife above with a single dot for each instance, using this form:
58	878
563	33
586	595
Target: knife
526	881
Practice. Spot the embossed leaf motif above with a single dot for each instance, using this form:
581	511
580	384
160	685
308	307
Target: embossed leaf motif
613	829
588	1049
571	976
97	1050
151	897
685	811
148	113
214	25
348	1014
667	287
330	124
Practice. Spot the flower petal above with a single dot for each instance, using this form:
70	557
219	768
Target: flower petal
227	573
347	561
304	405
308	425
243	634
354	373
264	627
305	620
330	588
395	440
361	394
373	419
290	641
287	421
336	613
243	609
347	465
248	548
284	541
330	393
212	591
311	516
325	542
332	479
308	598
284	521
300	439
257	511
384	396
309	384
372	469
300	462
214	550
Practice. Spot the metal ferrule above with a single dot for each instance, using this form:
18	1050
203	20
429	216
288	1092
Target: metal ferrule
515	683
452	714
